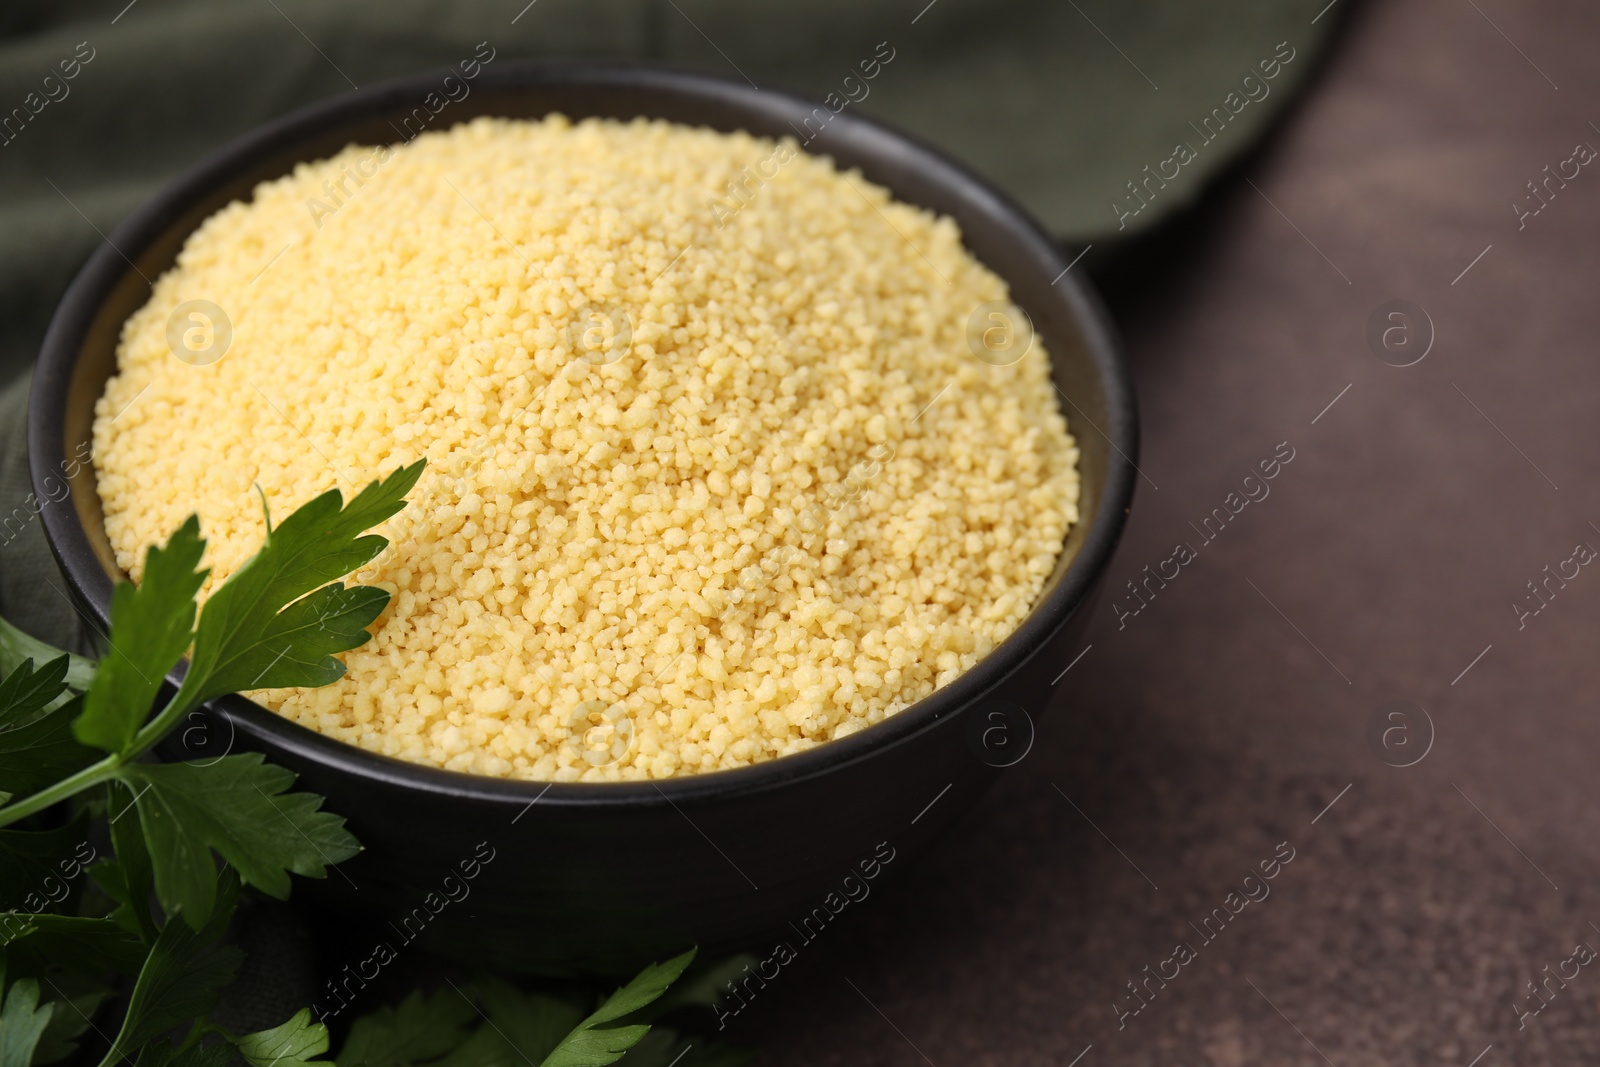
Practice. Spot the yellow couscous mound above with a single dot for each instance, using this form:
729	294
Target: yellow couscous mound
714	474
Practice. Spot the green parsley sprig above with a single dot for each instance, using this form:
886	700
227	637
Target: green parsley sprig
148	926
493	1024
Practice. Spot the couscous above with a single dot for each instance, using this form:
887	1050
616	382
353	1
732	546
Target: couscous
714	473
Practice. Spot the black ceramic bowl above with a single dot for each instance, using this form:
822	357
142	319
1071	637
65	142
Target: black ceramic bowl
600	877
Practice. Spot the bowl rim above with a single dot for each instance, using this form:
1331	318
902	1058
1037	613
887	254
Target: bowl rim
108	264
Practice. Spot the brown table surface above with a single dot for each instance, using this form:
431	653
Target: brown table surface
1382	566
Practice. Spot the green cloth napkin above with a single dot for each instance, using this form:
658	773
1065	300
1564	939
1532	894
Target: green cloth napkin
1062	105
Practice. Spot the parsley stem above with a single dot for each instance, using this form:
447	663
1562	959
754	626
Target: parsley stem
196	1032
69	786
92	775
157	728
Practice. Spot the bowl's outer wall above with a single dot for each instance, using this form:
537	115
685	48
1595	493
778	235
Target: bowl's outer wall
598	878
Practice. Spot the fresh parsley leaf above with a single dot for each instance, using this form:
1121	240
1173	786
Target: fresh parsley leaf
656	1049
152	624
420	1028
36	744
484	1048
306	634
77	943
702	986
252	632
26	692
35	865
42	751
184	872
278	622
16	646
532	1023
595	1048
238	807
69	1020
128	879
160	1054
589	1046
241	637
521	1028
22	1022
648	985
294	1043
181	978
155	1054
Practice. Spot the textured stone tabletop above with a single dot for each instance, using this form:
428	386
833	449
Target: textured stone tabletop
1244	714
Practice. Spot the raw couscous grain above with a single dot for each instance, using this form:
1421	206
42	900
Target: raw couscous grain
704	487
